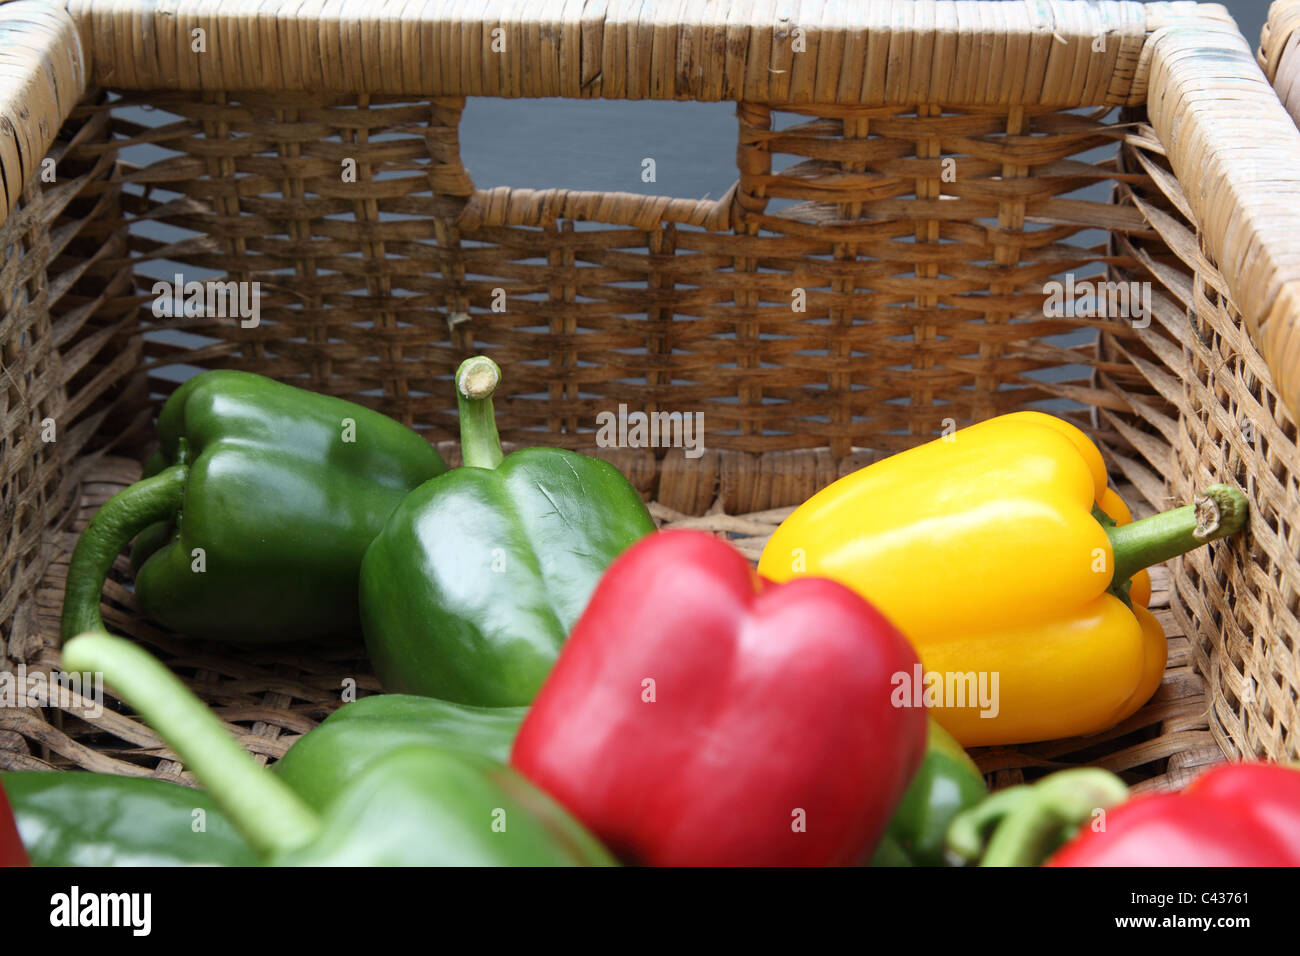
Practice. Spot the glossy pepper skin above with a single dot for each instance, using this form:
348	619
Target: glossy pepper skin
700	716
418	805
12	852
983	548
469	591
92	819
1234	815
323	763
281	489
947	783
423	806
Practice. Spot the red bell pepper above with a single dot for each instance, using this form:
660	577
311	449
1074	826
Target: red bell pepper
1236	815
12	852
698	715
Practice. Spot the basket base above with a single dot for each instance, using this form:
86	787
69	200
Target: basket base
272	694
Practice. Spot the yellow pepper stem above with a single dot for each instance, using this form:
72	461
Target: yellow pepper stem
1218	512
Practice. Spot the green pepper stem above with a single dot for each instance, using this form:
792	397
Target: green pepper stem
1218	512
269	814
121	518
476	380
1023	826
970	829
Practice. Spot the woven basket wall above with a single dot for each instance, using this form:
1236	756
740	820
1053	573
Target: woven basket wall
1279	52
924	294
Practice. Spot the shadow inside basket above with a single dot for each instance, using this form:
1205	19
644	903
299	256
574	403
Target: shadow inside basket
270	695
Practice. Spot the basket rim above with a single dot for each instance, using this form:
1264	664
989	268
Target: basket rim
1275	36
959	52
43	71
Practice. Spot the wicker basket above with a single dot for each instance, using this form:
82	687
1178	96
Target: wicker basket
924	292
1279	52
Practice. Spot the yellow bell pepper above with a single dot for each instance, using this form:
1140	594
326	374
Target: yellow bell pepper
991	550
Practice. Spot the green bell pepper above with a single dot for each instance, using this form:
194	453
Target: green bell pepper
947	783
322	763
423	806
263	500
471	588
418	805
94	819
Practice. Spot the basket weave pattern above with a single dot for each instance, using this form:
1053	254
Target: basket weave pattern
924	305
1279	52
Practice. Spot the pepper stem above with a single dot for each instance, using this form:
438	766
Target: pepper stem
1023	826
269	814
120	519
1218	512
476	380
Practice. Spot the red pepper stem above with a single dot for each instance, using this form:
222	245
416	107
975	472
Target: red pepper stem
476	380
1218	512
269	814
1023	826
119	520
